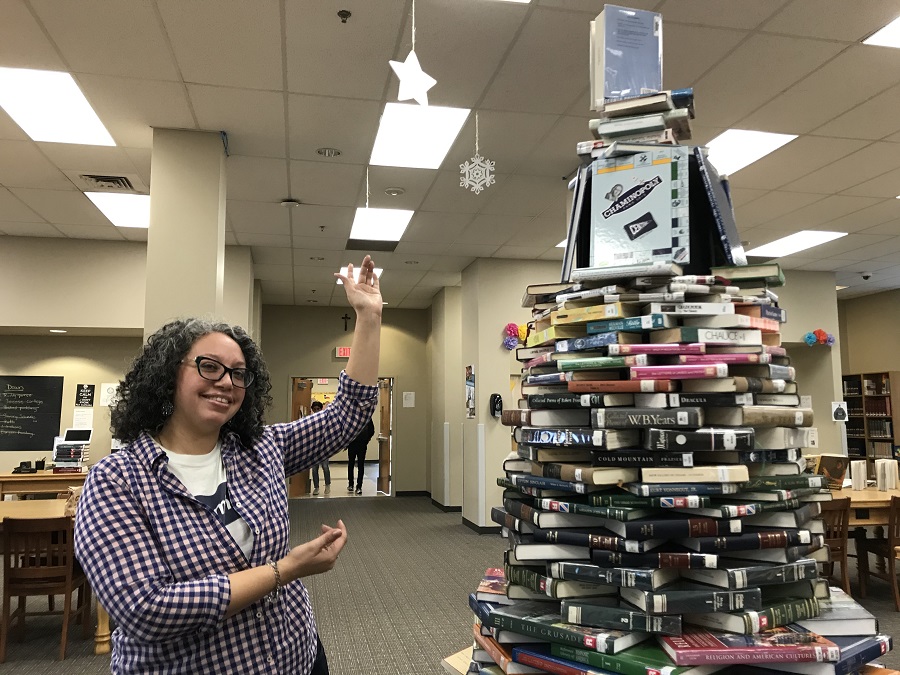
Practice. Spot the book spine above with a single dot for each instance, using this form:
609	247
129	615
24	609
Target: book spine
708	439
654	560
547	483
856	662
683	602
685	527
602	362
609	663
633	323
724	358
694	349
664	489
639	458
597	341
607	576
596	616
751	541
710	399
560	437
700	474
621	386
687	656
554	401
611	512
598	641
545	664
692	371
691	308
497	654
784	482
639	418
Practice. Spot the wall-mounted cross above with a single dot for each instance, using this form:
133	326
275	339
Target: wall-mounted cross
346	318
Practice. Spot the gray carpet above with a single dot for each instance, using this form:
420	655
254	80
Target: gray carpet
396	602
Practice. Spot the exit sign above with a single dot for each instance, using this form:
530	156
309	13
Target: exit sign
342	352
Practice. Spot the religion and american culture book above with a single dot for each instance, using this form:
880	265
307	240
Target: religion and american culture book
790	643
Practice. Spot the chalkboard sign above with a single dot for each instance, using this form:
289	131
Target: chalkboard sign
30	410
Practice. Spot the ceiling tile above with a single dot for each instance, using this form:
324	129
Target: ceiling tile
23	165
280	287
253	120
29	229
62	207
140	234
141	159
461	249
94	159
683	62
523	195
249	239
440	279
447	196
12	209
887	186
326	122
741	195
591	6
273	272
493	229
555	154
133	44
414	182
325	183
9	130
23	43
308	220
268	255
104	232
257	179
772	205
872	119
819	214
333	260
230	42
519	252
853	169
832	19
322	243
258	217
747	15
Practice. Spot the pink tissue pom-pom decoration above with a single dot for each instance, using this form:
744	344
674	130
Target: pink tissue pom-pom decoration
510	342
512	330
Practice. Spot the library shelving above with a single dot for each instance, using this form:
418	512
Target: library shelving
871	432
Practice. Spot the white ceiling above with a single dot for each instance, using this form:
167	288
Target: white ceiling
285	77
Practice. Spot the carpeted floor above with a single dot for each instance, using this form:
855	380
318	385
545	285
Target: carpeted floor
396	602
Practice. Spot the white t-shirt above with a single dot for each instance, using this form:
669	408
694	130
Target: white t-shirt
204	477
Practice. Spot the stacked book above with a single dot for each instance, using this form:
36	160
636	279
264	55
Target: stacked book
658	511
70	457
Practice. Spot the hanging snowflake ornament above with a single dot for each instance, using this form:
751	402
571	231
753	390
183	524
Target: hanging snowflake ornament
477	173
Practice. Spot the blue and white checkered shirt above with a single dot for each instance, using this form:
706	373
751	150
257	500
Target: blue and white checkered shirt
159	560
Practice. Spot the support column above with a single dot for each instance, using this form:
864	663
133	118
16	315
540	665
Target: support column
186	241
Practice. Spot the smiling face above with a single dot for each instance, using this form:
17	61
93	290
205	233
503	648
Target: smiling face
203	406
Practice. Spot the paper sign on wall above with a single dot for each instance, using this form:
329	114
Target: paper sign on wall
409	399
84	396
839	411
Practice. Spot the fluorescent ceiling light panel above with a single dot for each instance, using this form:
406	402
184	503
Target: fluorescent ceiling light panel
799	241
840	288
521	2
50	107
734	149
889	36
123	210
380	224
378	271
416	136
562	244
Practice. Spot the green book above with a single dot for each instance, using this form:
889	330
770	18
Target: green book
642	659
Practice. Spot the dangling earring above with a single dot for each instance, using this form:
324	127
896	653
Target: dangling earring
167	409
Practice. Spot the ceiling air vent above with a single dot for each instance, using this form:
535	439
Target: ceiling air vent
107	183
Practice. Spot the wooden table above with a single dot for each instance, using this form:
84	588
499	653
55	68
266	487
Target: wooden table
42	482
55	508
869	506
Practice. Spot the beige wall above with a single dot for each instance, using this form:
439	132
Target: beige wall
447	397
300	341
871	333
811	303
79	360
491	297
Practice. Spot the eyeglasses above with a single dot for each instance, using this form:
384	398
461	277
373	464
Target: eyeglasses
212	370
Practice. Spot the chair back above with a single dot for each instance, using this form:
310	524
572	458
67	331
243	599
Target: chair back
39	554
836	516
894	523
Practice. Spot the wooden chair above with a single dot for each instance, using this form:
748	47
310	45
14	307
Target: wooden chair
40	560
885	550
836	516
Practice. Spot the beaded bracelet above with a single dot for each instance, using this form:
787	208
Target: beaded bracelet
274	594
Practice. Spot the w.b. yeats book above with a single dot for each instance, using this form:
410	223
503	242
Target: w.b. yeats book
683	596
639	418
744	574
623	618
542	620
751	621
787	644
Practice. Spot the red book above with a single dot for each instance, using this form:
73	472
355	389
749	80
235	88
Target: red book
608	386
673	348
786	644
725	358
691	371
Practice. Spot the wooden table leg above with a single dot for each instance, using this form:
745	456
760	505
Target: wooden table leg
101	636
879	561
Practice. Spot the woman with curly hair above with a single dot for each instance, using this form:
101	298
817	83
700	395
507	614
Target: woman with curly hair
184	532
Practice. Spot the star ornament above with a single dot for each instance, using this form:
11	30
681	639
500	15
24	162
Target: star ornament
414	82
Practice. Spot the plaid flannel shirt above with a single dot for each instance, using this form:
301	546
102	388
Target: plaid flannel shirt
159	560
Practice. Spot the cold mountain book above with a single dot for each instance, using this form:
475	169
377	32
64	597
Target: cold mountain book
513	417
628	577
699	440
791	643
585	473
742	574
841	615
751	621
855	653
697	474
639	458
647	658
621	617
630	418
682	597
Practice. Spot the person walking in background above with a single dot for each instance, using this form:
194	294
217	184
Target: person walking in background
317	406
184	533
357	451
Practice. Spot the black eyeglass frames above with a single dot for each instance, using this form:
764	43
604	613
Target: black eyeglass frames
212	370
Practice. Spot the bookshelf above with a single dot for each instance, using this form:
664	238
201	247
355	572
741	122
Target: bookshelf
871	429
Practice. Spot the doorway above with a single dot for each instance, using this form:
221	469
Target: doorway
377	471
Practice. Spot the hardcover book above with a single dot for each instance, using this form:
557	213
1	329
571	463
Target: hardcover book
784	644
682	597
647	658
741	574
699	440
618	617
719	336
647	579
855	653
751	621
696	474
666	489
597	538
631	418
760	416
632	324
513	417
552	588
841	615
